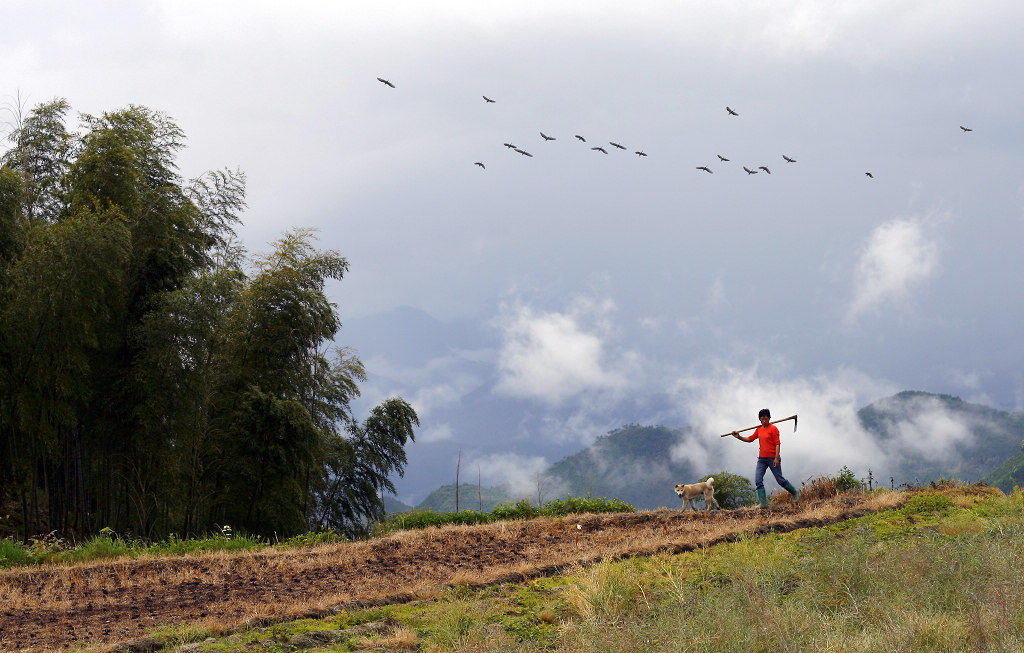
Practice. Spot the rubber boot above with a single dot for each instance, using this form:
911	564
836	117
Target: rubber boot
762	498
792	490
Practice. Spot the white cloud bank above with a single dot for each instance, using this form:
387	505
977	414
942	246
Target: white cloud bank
897	257
553	356
520	473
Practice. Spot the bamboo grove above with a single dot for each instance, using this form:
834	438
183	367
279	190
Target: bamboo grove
154	377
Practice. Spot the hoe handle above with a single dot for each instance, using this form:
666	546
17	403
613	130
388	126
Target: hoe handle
750	428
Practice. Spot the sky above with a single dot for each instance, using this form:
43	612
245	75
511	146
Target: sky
530	305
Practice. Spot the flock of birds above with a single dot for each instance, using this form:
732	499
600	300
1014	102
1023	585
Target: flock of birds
729	110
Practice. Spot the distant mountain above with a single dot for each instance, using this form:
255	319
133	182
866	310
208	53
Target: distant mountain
393	506
471	497
633	463
980	439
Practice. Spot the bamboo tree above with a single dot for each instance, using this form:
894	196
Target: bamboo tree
148	383
42	152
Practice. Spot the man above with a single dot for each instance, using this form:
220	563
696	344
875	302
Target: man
769	456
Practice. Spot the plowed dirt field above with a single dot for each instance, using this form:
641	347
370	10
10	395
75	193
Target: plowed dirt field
116	605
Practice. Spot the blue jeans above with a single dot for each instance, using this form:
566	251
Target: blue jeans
764	464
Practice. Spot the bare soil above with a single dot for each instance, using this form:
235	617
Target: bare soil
116	605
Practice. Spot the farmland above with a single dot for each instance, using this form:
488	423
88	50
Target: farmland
101	604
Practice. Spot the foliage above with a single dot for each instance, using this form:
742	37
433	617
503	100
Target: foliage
153	377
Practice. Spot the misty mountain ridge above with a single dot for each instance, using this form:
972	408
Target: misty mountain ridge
635	463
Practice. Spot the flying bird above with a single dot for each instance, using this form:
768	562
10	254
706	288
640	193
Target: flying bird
384	81
788	160
523	152
581	138
547	138
966	129
731	112
705	169
640	153
869	175
510	146
480	164
749	171
765	169
600	149
621	147
487	99
722	158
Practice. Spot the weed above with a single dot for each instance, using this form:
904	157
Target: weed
13	554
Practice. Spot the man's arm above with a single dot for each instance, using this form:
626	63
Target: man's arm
736	435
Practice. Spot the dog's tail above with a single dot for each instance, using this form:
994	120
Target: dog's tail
711	480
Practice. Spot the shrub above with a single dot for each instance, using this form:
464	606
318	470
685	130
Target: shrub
732	490
322	536
521	509
846	481
574	505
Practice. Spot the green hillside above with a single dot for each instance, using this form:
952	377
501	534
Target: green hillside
1010	474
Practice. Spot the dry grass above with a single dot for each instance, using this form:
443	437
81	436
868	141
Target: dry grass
400	638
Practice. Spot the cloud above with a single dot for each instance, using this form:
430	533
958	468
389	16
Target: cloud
435	433
521	474
553	356
924	427
897	257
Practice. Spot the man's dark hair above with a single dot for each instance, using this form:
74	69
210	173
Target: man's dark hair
764	412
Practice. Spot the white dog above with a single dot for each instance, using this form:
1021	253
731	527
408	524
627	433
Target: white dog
689	493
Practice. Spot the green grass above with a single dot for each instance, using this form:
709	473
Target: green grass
108	545
942	573
505	511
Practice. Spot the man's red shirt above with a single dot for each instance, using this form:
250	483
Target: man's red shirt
768	439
